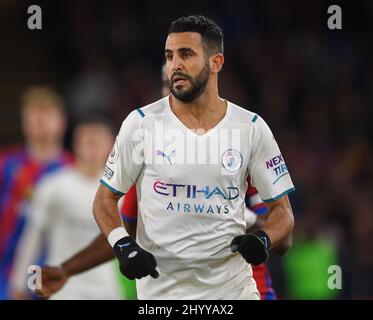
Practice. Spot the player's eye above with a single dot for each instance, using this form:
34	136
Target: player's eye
169	57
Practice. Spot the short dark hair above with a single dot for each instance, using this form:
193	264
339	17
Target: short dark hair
212	35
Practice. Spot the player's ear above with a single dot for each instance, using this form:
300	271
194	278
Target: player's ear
216	62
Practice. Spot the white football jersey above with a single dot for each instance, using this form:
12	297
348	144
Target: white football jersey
190	190
61	212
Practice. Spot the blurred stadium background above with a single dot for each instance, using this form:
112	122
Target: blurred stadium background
314	87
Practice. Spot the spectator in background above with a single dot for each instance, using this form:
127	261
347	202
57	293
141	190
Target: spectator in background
93	89
61	213
21	167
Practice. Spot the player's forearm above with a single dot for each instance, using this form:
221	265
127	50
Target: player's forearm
98	251
280	222
283	245
105	210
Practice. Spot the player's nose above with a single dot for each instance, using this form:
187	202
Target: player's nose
176	63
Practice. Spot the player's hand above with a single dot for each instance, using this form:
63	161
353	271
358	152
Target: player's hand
134	262
53	279
252	246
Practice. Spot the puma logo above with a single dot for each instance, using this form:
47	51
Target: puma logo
168	157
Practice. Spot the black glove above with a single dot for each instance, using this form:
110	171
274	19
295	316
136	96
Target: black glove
252	246
134	262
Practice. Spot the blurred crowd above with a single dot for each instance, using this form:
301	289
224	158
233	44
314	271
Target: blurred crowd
312	85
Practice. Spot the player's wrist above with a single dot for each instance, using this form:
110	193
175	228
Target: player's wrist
263	237
117	234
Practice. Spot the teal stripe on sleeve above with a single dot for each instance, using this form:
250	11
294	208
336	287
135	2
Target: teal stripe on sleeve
281	195
142	114
118	193
255	118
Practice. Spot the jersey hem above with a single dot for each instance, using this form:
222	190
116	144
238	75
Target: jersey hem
280	196
118	193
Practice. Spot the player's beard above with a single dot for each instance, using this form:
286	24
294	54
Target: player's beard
197	84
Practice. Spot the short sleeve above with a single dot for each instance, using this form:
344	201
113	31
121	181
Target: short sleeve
126	159
267	167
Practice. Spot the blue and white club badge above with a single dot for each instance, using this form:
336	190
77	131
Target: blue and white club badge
231	160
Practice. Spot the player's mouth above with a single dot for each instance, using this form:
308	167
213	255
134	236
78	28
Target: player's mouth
178	80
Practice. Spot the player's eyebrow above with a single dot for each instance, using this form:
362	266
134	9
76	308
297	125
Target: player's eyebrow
186	50
181	50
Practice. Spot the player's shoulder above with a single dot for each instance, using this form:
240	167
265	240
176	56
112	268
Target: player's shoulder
139	115
243	115
250	118
152	109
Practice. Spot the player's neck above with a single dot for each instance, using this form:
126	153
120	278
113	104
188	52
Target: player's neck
203	112
43	152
